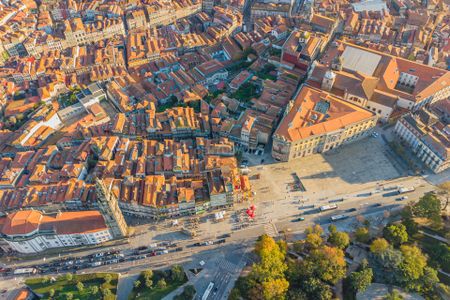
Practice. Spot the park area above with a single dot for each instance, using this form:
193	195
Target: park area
154	285
68	286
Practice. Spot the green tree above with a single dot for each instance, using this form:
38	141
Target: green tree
360	280
80	286
149	283
189	293
386	266
393	296
317	229
411	226
339	239
396	234
313	241
379	245
148	274
137	284
94	290
428	207
51	293
413	264
327	263
108	278
429	281
177	273
69	277
107	294
69	296
161	284
332	229
275	288
316	289
362	235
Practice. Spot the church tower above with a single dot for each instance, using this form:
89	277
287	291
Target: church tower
328	80
109	207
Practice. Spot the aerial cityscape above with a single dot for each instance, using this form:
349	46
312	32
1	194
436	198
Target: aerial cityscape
225	149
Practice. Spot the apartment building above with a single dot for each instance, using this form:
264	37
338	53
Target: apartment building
316	122
378	81
427	134
30	231
79	33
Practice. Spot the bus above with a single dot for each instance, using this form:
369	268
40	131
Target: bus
338	217
328	207
25	271
404	190
208	291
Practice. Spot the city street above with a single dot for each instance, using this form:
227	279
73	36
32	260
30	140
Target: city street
359	180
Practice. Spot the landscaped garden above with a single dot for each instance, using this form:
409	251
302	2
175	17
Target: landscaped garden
69	286
157	284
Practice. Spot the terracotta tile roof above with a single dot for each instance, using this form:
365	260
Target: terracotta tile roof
27	221
304	120
22	222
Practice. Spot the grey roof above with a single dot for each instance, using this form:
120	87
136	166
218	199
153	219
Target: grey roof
361	61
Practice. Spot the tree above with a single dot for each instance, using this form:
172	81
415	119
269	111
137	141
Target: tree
94	290
313	241
316	289
107	294
332	229
314	229
385	266
428	281
148	283
177	273
69	296
148	274
411	226
428	207
275	288
271	264
69	277
188	293
360	280
393	296
51	293
339	239
161	284
137	284
396	234
327	263
413	263
80	286
379	245
362	235
108	278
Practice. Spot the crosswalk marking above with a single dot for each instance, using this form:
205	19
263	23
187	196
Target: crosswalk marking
270	229
226	265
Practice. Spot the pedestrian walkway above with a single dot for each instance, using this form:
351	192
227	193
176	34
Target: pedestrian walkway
226	265
270	229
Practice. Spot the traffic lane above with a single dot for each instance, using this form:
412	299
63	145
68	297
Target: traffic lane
220	284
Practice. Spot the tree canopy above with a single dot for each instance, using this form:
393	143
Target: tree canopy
379	245
339	239
396	234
